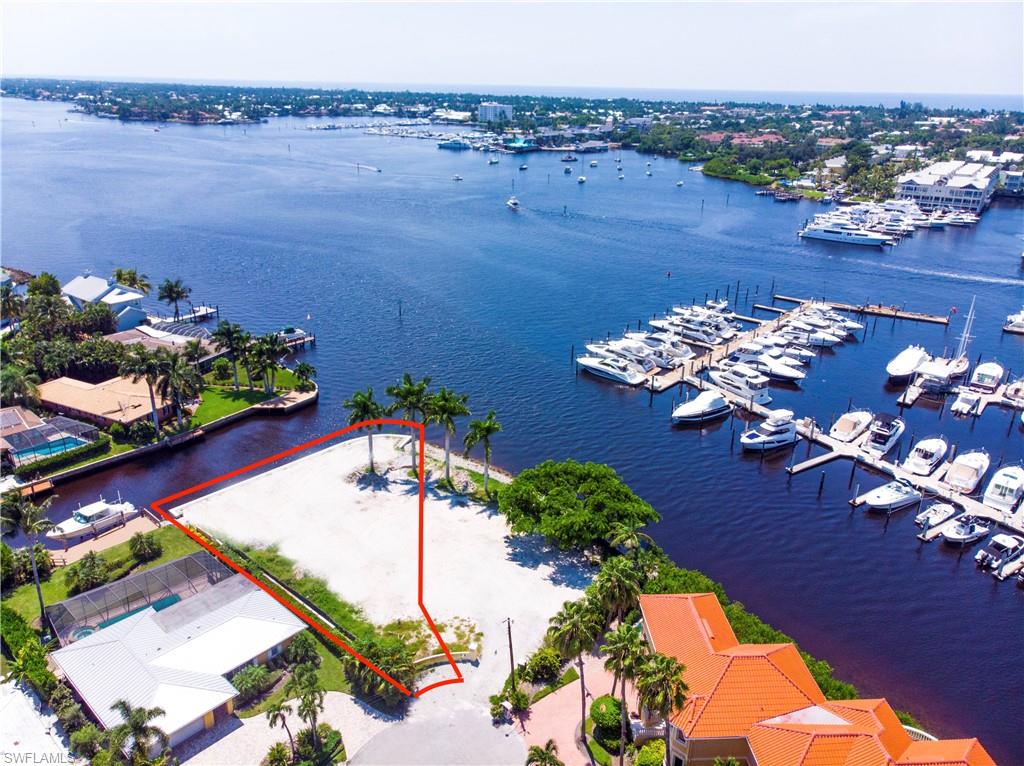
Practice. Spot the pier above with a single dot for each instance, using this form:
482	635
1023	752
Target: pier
873	309
198	314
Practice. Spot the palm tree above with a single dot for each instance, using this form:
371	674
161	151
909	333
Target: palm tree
273	347
277	713
136	728
572	632
660	686
410	398
173	291
625	652
278	755
179	382
442	408
31	520
11	304
18	385
363	407
305	372
544	756
628	535
480	432
193	352
231	338
140	363
133	279
618	586
20	667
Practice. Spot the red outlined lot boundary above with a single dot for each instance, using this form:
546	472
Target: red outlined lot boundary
158	506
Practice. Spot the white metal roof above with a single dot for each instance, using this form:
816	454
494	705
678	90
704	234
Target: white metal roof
175	659
90	288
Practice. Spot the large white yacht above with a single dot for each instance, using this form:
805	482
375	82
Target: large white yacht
926	455
987	376
886	430
836	232
744	382
778	430
642	361
1015	323
663	343
612	368
903	366
965	473
891	497
93	519
851	425
704	407
1005	489
753	355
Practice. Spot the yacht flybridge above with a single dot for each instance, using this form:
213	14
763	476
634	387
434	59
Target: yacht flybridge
744	382
926	455
1005	489
778	430
886	430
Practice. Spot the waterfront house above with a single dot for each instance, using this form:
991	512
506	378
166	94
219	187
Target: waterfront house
156	338
169	637
124	302
951	184
118	400
758	703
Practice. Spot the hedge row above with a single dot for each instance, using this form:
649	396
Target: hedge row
17	635
52	463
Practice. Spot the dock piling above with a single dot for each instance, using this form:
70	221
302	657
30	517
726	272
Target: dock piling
821	483
853	470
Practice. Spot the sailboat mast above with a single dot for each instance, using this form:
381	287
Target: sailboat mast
965	336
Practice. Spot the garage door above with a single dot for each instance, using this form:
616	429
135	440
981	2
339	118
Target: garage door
187	731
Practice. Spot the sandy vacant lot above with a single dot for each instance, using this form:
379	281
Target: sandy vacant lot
362	538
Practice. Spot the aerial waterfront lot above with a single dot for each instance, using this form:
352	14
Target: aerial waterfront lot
361	537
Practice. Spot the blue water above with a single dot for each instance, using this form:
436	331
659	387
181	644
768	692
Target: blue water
274	223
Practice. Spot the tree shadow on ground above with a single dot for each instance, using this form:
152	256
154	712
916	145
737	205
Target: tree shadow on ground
532	552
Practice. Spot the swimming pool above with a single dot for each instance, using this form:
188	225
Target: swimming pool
47	449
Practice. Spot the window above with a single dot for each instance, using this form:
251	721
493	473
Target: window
274	651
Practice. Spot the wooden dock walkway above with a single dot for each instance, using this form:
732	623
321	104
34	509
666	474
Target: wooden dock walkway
873	309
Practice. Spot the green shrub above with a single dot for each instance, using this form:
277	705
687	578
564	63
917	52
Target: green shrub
145	547
302	649
250	681
607	713
86	741
7	573
543	666
519	700
118	432
16	635
90	571
330	742
50	464
278	754
222	370
23	564
651	754
142	431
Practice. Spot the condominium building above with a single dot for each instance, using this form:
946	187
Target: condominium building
491	111
952	184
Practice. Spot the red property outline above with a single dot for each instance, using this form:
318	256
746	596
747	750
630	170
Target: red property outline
304	616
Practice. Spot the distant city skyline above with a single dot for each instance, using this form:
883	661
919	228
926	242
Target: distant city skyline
828	47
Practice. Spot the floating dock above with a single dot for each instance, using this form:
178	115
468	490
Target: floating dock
873	309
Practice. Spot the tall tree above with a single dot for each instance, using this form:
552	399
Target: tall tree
133	279
11	304
442	408
480	432
573	631
410	399
618	586
140	363
178	382
231	338
660	686
32	521
18	385
363	407
625	652
171	292
277	714
544	756
193	352
137	732
628	535
305	372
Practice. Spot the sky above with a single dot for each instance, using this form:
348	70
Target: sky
834	47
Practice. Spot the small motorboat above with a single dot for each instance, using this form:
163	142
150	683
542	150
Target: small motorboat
524	167
512	203
456	177
778	430
987	377
706	406
891	497
1000	549
935	514
581	180
967	403
649	173
612	368
679	183
966	531
903	366
493	161
93	519
965	473
886	430
568	171
621	176
851	425
1005	489
568	157
1015	323
593	163
926	456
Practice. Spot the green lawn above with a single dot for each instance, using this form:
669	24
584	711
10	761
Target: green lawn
599	754
218	402
115	448
23	599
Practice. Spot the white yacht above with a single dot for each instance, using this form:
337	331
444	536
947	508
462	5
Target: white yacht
892	496
743	382
492	161
593	163
612	368
886	430
754	356
606	350
1015	323
903	366
835	232
987	377
706	406
965	473
935	514
688	329
790	348
513	203
966	531
826	311
925	456
456	177
967	403
851	425
1005	489
778	430
1000	550
663	344
808	336
93	519
635	350
581	180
